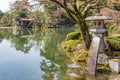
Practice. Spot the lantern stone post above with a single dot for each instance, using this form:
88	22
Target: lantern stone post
97	44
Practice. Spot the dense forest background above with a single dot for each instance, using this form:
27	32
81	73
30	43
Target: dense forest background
47	12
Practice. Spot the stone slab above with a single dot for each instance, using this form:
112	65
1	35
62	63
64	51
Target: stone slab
114	66
93	55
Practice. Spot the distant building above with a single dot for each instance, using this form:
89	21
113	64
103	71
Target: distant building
25	23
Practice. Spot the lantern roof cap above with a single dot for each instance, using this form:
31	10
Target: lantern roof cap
98	17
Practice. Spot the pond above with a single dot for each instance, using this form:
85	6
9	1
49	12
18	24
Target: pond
32	54
35	54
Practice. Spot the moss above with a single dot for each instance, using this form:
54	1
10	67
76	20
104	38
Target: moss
73	36
81	56
63	45
72	39
116	53
73	50
70	48
71	45
116	60
103	69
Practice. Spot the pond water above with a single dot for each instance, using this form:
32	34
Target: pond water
32	54
35	54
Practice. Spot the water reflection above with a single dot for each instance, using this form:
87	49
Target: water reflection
103	77
43	60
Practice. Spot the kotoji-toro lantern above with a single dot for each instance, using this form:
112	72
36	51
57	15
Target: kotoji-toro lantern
98	29
97	45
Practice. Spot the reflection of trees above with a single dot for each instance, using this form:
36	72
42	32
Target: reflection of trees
1	38
39	34
47	41
5	34
22	41
48	67
54	64
21	44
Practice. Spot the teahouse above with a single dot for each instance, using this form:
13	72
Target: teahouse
25	23
97	45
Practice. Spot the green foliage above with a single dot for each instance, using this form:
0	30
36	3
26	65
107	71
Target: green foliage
6	19
20	9
103	70
116	6
19	13
113	29
22	14
71	45
73	36
114	42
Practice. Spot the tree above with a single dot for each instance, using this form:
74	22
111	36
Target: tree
40	13
53	14
1	14
78	10
20	9
6	19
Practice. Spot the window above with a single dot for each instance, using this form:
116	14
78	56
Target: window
99	23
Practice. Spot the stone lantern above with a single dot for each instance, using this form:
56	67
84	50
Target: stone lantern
97	45
98	29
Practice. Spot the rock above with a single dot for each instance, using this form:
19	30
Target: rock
114	65
102	59
75	76
73	65
79	47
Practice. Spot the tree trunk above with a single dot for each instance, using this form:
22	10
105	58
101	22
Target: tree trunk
87	40
85	35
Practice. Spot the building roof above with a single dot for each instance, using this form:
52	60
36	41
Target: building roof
25	19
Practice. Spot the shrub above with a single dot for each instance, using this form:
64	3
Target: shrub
114	43
113	29
73	36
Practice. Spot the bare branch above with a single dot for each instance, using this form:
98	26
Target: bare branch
64	6
89	5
